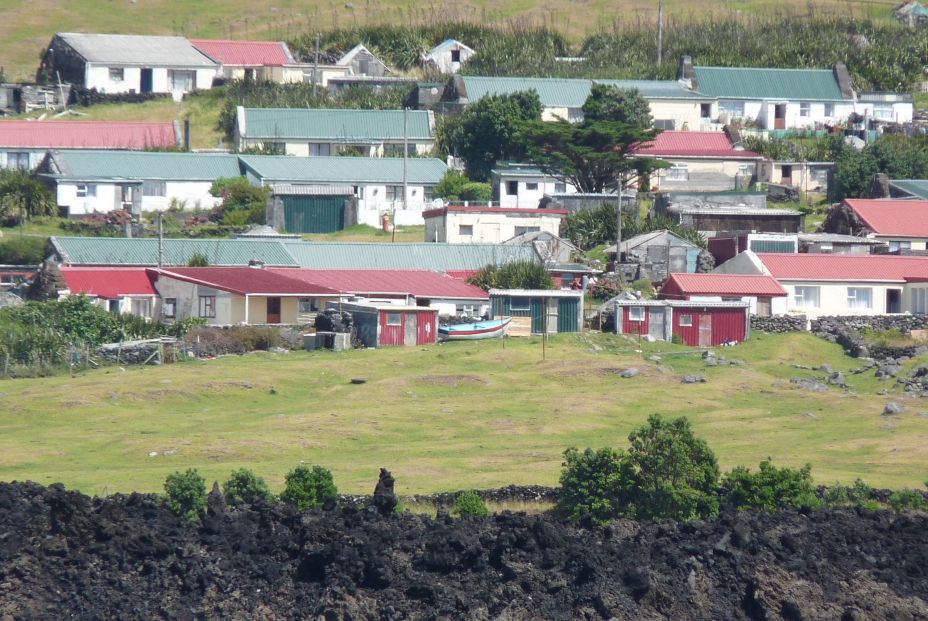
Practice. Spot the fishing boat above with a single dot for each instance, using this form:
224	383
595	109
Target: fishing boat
489	329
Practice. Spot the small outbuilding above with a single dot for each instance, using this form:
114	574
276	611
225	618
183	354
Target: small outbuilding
447	57
538	311
379	325
698	324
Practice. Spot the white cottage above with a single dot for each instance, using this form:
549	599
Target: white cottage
456	224
522	186
448	56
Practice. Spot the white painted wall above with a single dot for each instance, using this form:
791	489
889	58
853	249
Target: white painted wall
98	76
527	197
35	156
490	228
833	297
192	192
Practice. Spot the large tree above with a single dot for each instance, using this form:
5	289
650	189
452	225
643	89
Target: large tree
610	103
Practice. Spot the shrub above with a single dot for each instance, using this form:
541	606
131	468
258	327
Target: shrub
308	487
770	488
198	259
244	486
515	275
186	493
254	338
908	500
468	504
596	483
19	250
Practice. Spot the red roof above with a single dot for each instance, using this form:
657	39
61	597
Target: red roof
694	144
85	135
905	218
245	280
681	286
108	282
512	211
245	53
417	283
845	267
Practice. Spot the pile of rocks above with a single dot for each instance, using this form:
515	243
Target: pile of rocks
916	383
134	352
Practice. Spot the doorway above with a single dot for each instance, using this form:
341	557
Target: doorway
786	174
705	330
894	300
411	329
146	82
779	116
273	310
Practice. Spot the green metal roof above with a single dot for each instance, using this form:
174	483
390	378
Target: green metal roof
125	251
571	92
430	256
344	170
140	165
917	188
349	126
765	83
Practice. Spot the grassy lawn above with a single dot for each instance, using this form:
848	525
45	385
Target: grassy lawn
447	417
40	227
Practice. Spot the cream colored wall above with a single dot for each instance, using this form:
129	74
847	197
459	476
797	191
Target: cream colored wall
833	298
554	114
237	309
918	243
289	310
257	310
495	227
682	112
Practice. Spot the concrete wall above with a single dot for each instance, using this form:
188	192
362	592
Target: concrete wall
703	174
526	197
686	113
194	195
486	227
98	76
833	298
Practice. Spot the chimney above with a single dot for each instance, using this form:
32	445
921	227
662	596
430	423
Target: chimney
686	73
256	263
844	80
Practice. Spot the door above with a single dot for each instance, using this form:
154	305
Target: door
779	116
273	310
656	323
411	329
426	328
705	330
763	307
146	81
314	213
894	300
786	174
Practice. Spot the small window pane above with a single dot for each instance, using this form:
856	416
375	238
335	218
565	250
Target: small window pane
466	229
636	313
154	188
394	319
169	309
686	320
208	306
520	304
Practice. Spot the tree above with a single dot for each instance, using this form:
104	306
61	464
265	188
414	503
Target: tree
307	487
454	186
515	275
23	196
610	103
23	250
242	203
186	493
198	259
468	504
595	483
770	488
676	473
488	128
244	486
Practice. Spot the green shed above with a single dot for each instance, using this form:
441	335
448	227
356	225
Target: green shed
534	310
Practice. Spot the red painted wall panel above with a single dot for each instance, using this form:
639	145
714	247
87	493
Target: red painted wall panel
391	335
690	333
633	327
428	330
728	324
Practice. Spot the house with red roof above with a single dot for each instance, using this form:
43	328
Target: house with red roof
23	143
901	224
841	284
252	60
700	161
118	289
764	295
457	224
695	323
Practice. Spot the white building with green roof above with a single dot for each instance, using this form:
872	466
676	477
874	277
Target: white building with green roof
323	132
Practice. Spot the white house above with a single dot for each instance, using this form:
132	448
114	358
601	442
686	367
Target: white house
523	186
100	181
902	224
377	183
361	61
128	63
456	224
447	57
127	290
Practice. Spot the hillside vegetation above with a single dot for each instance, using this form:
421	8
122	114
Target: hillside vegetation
453	416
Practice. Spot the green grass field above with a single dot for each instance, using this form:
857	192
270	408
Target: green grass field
447	417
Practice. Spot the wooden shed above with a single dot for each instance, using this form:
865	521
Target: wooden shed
379	325
537	311
698	324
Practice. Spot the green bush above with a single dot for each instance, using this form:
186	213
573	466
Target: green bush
908	500
515	275
244	486
770	488
22	250
256	338
186	493
468	504
595	483
676	339
307	487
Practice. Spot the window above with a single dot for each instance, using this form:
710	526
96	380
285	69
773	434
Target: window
86	189
668	124
560	188
531	186
112	306
883	112
896	246
678	172
308	305
182	81
455	56
428	193
522	230
466	229
141	307
394	319
859	297
636	313
208	306
154	188
17	159
320	148
126	193
705	110
734	109
686	321
806	297
920	301
826	247
169	308
829	110
117	74
805	108
394	193
512	187
520	304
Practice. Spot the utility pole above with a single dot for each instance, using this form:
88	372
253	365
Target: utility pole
405	175
316	66
160	240
660	31
618	222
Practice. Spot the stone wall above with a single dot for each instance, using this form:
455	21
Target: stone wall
845	331
779	324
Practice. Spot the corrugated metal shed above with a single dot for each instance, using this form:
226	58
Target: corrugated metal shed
81	165
347	126
424	256
343	170
766	83
122	251
137	50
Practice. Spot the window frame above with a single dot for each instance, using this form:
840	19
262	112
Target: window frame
117	74
521	309
160	188
89	190
394	318
21	159
800	295
463	233
531	186
686	321
805	109
674	170
207	307
636	313
169	308
853	297
509	188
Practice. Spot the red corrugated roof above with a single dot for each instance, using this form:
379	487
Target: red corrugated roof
905	218
694	144
85	135
845	267
512	211
244	53
682	285
417	283
245	280
108	282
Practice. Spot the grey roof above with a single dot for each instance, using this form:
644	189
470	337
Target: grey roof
834	238
86	165
638	240
918	188
123	251
350	54
539	293
344	170
732	211
137	50
343	126
432	256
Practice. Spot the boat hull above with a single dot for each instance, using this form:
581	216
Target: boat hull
474	331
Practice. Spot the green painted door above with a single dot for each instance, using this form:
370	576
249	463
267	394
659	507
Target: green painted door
538	316
568	314
314	214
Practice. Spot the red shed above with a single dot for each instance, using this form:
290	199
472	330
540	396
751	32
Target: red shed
698	324
392	324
